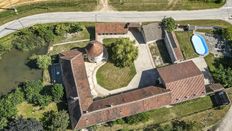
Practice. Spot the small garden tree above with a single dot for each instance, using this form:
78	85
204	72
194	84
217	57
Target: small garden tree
124	52
57	92
56	121
169	24
41	61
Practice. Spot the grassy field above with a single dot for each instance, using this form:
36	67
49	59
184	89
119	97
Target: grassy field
27	110
199	110
149	5
47	6
61	48
112	77
186	46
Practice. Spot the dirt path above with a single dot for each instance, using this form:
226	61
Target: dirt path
104	6
172	4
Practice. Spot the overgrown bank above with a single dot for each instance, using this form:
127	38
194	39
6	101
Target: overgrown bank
47	6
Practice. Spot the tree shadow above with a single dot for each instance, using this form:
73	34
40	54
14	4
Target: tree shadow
91	30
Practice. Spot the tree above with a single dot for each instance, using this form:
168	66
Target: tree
60	29
75	27
3	122
25	125
41	61
32	90
141	117
43	100
124	52
228	33
57	92
223	75
169	24
56	121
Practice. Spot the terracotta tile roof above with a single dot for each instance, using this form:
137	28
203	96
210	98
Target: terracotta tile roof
127	97
184	80
76	83
118	28
94	48
179	71
154	97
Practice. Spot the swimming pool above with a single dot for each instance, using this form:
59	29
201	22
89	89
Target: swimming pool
200	45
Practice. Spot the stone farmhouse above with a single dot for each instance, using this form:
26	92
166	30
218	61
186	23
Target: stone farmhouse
178	82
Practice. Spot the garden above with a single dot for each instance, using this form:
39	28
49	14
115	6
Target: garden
120	68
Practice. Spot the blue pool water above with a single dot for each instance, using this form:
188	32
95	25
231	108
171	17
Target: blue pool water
200	45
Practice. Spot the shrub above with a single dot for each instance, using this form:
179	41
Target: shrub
56	121
141	117
124	52
57	92
169	24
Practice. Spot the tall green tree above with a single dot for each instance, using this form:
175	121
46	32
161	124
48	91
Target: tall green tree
57	92
3	122
56	121
124	52
169	24
223	75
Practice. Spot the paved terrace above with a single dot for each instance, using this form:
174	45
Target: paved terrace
145	76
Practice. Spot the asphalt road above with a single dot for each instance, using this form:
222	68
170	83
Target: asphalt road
221	13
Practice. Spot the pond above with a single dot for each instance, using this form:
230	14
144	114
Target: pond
14	70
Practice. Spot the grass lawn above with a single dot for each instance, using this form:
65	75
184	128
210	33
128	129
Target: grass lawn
186	46
159	53
210	59
27	110
61	48
206	23
199	110
149	5
48	6
112	77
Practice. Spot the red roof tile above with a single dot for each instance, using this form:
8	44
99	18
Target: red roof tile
179	71
94	48
118	28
